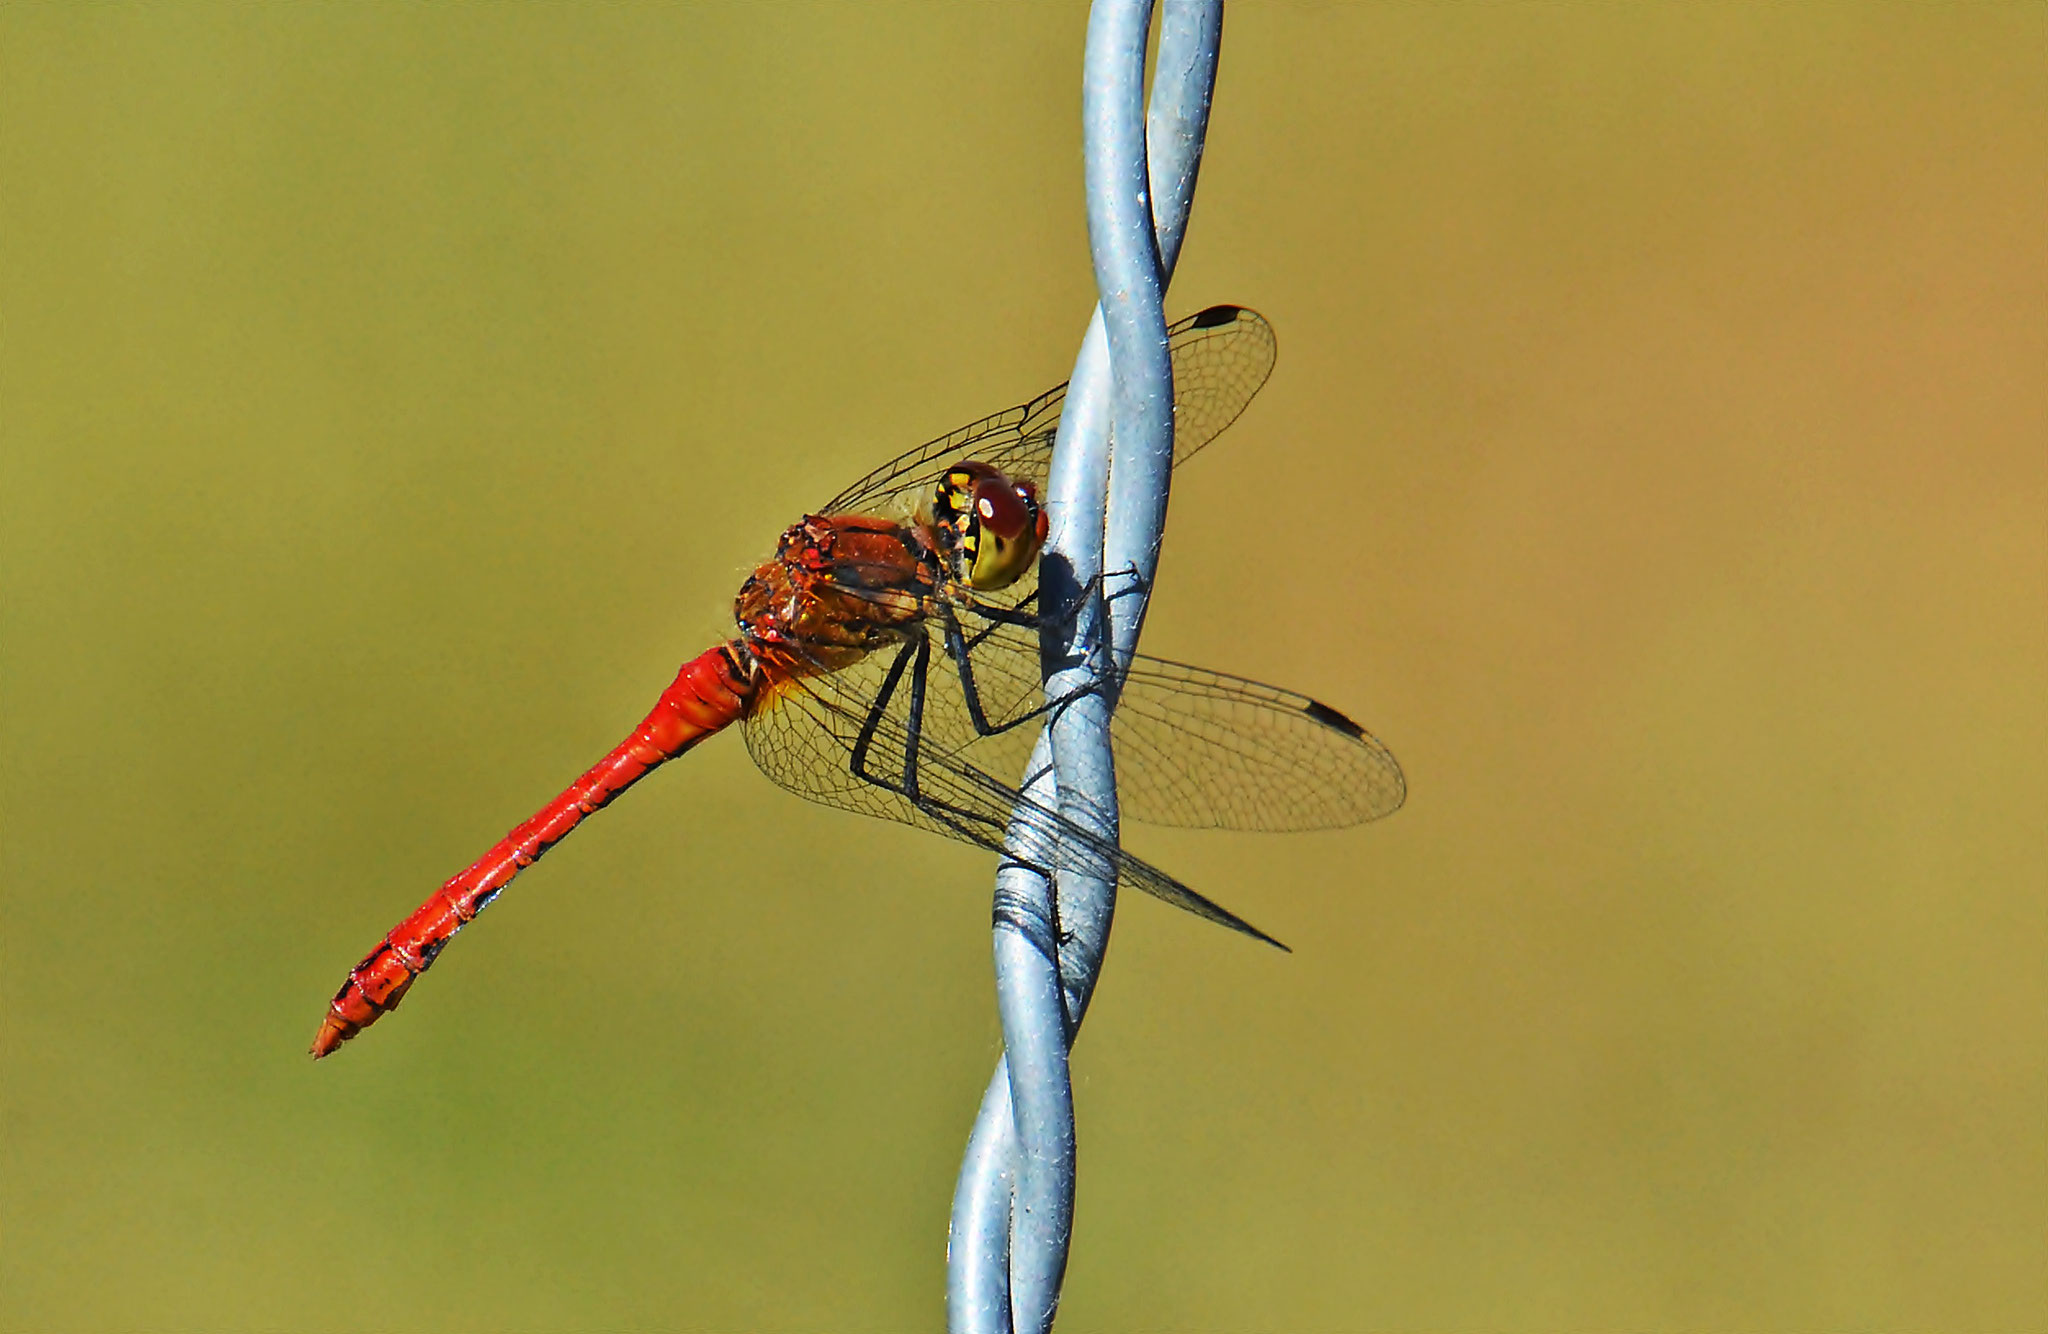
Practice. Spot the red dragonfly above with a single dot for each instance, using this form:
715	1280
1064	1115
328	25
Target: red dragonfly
933	558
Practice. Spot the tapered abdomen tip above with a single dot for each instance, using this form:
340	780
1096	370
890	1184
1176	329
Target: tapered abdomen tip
333	1033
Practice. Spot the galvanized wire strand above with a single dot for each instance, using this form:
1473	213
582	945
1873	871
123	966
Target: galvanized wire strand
1013	1209
1190	39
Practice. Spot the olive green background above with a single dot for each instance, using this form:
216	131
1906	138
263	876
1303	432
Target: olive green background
1657	460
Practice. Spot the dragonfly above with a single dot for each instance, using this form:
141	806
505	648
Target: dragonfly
887	659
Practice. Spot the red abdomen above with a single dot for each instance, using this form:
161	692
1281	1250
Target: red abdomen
712	691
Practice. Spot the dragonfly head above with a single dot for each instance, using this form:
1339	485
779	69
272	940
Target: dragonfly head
989	524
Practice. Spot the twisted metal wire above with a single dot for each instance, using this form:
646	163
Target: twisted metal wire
1013	1208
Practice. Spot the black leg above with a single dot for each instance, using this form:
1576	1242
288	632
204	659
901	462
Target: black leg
961	650
958	649
920	670
866	738
997	615
964	822
915	657
1021	615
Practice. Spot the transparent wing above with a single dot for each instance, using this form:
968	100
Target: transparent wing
1221	357
1205	750
804	737
1195	749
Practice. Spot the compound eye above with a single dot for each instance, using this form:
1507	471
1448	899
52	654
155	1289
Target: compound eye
1000	509
1009	529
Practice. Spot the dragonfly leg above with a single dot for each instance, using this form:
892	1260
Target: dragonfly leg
972	825
1138	583
957	648
876	711
913	719
1021	615
916	657
960	648
1036	920
995	616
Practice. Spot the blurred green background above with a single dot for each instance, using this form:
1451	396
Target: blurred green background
1657	460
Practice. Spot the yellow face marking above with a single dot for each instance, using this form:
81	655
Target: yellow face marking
1001	564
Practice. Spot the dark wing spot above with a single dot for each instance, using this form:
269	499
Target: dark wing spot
1216	315
1329	717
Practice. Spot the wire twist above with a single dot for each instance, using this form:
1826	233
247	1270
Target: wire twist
1014	1206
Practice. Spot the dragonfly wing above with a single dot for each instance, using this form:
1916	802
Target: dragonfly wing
1017	440
1205	750
1221	357
804	742
805	735
1195	749
802	737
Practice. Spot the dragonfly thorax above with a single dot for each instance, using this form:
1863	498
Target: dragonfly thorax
839	587
987	525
